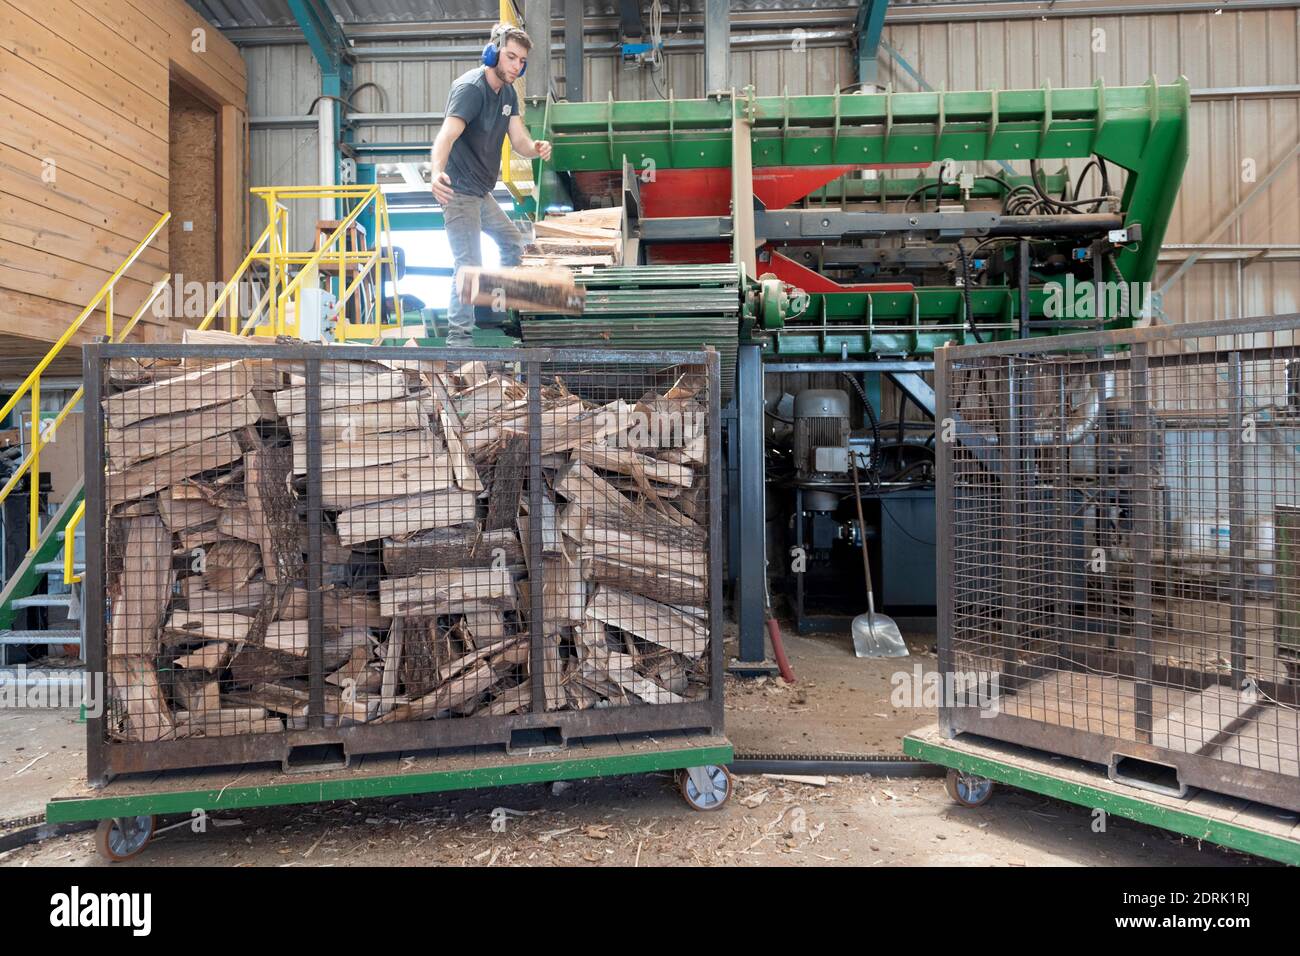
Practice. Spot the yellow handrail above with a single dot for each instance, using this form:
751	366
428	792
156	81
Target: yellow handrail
80	320
31	385
69	544
232	286
332	251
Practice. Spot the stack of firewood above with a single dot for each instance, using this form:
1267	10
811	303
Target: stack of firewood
591	237
427	547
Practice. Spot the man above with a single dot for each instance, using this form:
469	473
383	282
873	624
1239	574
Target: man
482	109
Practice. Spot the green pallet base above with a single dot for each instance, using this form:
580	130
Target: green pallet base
1104	794
350	785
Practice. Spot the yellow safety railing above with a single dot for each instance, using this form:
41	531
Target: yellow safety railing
31	386
70	576
290	271
270	239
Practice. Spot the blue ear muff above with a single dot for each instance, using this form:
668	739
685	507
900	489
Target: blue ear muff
491	55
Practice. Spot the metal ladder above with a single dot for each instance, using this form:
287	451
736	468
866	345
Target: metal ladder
45	564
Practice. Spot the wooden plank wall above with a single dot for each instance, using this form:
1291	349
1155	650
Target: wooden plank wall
84	127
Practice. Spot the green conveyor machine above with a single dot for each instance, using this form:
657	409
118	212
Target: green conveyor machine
857	232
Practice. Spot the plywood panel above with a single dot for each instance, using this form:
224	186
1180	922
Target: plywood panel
218	68
24	269
84	96
140	31
68	107
26	130
26	223
100	34
72	196
193	191
41	320
39	45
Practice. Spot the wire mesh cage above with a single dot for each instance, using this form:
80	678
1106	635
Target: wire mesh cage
378	549
1120	578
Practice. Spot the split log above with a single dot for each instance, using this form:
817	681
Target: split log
252	664
184	515
529	290
353	487
559	227
477	403
622	672
216	385
229	565
403	516
485	626
357	669
343	608
371	418
668	549
649	620
133	683
209	657
552	673
462	465
151	476
580	485
364	450
446	591
227	722
452	548
273	512
196	692
631	463
208	625
508	477
142	590
659	584
157	436
288	637
392	649
360	391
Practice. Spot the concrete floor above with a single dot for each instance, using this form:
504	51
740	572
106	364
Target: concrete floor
838	705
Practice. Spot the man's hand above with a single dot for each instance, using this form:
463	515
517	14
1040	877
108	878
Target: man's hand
543	149
442	188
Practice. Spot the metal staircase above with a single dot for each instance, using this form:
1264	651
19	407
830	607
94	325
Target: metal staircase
276	312
50	557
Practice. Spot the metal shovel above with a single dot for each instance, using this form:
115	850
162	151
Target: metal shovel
874	635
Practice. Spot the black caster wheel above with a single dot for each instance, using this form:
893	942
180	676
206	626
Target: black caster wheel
705	788
120	838
967	789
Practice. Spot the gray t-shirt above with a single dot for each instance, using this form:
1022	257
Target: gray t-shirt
475	161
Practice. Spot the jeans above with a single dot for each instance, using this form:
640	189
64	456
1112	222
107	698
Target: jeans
466	218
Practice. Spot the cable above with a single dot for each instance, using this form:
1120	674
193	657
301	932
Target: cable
1060	204
965	291
875	422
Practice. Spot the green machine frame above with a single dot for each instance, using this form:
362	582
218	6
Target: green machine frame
1141	129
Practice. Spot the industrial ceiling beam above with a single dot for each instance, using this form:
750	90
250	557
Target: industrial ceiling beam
324	34
574	62
717	46
870	24
537	21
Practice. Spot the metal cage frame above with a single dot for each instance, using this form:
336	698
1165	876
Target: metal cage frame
1009	582
107	758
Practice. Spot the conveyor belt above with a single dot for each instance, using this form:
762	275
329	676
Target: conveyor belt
651	307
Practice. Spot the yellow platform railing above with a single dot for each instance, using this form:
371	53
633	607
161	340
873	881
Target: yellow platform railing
279	311
43	433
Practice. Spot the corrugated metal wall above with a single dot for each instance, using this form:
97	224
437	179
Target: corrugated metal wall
1233	49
